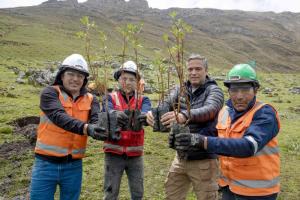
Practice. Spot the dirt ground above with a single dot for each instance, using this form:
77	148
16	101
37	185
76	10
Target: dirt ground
12	152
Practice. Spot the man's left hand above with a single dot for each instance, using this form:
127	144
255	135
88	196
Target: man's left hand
185	141
143	119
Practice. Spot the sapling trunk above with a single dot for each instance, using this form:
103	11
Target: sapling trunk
178	30
159	111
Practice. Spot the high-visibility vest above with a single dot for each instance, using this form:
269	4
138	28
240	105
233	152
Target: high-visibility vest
257	175
55	141
131	142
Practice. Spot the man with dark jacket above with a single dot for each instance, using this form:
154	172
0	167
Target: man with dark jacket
68	116
194	166
247	142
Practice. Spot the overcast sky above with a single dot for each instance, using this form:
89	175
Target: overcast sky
248	5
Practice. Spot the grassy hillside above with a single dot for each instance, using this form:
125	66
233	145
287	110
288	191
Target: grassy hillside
47	32
15	173
35	36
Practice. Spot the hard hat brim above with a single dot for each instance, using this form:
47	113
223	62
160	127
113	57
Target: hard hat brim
118	73
84	72
227	83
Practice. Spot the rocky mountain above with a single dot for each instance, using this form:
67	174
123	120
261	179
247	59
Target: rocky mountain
225	37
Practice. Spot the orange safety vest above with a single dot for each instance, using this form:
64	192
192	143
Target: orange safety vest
257	175
55	141
131	142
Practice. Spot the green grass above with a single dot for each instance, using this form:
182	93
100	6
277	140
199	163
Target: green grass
158	156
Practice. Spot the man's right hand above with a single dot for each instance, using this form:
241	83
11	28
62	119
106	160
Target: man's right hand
96	132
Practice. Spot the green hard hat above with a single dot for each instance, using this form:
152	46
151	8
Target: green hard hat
241	73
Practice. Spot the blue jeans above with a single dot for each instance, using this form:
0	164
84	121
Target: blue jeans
47	175
228	195
115	165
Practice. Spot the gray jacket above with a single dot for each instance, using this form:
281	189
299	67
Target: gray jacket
205	103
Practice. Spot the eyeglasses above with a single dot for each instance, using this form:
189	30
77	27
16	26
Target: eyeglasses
74	74
131	80
235	91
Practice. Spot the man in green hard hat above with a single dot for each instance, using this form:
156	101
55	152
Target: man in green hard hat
246	142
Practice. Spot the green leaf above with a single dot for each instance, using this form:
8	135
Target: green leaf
84	20
80	34
173	14
166	37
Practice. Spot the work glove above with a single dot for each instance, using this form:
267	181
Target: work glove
143	119
122	118
186	141
136	120
171	139
96	132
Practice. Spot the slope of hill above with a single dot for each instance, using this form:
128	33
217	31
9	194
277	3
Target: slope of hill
47	32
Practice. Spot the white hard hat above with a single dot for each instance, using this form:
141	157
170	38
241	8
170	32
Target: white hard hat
128	66
76	62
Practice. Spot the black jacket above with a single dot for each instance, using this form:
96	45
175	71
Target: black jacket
205	102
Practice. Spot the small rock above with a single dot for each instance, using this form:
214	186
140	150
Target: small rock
267	91
295	90
21	75
20	81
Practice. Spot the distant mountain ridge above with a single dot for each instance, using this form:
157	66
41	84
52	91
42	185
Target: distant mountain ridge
225	37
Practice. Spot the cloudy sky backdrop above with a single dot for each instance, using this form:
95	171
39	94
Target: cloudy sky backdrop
247	5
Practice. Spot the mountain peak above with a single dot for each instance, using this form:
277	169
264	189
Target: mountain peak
118	4
73	3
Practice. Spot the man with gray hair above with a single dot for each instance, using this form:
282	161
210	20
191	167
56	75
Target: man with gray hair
196	167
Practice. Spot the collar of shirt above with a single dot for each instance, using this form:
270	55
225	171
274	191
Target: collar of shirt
124	95
234	114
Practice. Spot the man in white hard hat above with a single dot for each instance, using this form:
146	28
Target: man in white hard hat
68	115
127	153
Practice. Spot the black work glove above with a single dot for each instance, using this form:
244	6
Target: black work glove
171	140
143	119
122	118
96	132
186	141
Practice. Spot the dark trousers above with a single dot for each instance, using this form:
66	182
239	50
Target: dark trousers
115	166
228	195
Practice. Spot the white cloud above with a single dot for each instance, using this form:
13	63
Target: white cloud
248	5
252	5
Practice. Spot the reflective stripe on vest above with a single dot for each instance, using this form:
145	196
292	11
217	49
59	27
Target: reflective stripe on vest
257	175
131	142
257	183
56	149
267	151
113	146
116	98
137	148
55	141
